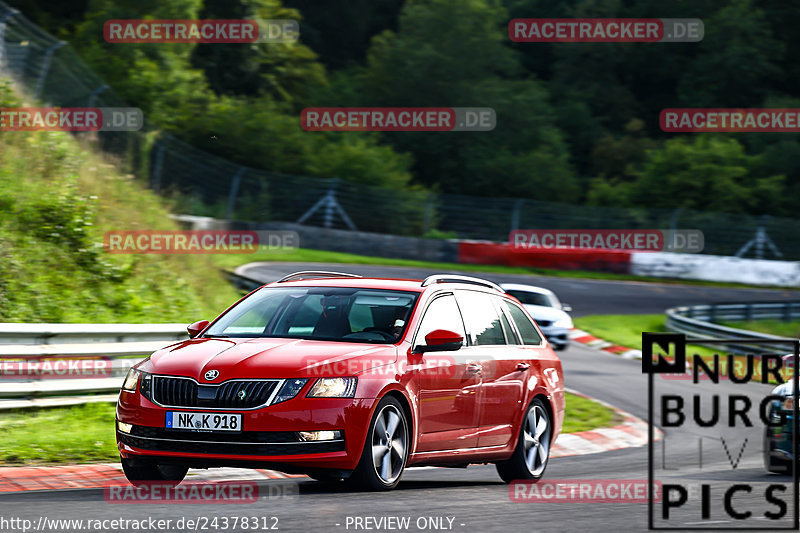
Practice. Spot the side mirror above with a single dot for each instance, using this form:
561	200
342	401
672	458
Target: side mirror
195	329
566	308
440	340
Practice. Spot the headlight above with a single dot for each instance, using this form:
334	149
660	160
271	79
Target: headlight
131	380
289	390
146	385
563	323
333	388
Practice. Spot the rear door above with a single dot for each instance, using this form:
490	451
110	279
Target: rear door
494	345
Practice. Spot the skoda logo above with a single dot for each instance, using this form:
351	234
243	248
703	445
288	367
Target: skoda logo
242	394
212	374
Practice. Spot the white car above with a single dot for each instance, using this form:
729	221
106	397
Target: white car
546	309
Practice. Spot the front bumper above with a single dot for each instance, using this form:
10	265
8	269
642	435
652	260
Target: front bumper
268	437
556	335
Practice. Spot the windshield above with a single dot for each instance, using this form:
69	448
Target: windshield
323	313
531	298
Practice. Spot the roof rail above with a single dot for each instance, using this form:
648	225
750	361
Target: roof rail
306	274
453	278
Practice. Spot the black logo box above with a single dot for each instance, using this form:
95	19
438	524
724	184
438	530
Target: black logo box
675	344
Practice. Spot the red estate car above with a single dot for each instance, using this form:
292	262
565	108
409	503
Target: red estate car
348	378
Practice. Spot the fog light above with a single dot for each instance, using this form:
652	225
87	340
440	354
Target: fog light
320	435
123	427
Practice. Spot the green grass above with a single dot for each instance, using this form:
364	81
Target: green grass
81	434
583	414
773	327
626	330
78	434
304	255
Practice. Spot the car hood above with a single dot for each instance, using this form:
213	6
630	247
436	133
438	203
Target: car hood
265	358
541	312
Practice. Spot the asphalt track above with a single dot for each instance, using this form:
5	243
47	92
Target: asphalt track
475	498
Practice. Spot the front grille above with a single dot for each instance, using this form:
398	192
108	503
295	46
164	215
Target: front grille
175	391
233	394
544	323
227	444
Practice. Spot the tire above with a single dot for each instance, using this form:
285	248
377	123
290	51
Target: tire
143	473
386	447
532	453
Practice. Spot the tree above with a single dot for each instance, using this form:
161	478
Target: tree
437	59
282	71
704	172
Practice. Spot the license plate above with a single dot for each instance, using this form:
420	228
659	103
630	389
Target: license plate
203	421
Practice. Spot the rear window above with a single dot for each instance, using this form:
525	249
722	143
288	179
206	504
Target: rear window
524	325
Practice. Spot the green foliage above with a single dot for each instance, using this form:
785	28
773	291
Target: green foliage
576	123
282	71
56	203
438	59
705	172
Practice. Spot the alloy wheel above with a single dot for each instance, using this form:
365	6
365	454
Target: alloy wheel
389	444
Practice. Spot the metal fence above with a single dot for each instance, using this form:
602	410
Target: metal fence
47	69
702	321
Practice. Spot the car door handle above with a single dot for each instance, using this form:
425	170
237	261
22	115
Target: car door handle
522	367
473	368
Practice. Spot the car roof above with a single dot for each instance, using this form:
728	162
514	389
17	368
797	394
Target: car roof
412	285
526	288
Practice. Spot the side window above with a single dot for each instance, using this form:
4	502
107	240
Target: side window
442	313
524	325
511	337
482	318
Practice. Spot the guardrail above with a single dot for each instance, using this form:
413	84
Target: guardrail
119	345
123	345
243	283
698	321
